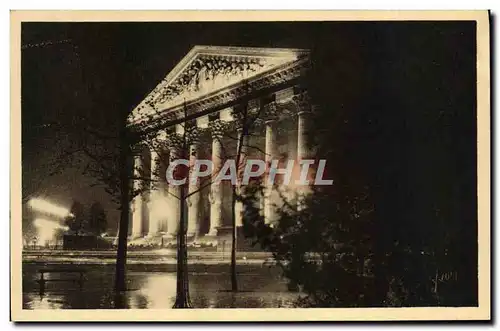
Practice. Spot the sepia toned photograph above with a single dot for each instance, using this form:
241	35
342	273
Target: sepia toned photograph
202	166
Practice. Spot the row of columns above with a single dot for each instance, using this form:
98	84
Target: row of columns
215	197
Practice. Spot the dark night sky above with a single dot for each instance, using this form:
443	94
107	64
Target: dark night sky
415	81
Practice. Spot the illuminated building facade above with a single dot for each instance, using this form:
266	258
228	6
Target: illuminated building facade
201	95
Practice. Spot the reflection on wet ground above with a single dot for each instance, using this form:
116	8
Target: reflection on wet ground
154	287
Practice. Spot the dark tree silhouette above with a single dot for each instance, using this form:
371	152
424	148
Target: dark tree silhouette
76	220
399	140
98	222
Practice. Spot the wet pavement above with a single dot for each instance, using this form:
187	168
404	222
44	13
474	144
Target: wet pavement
154	285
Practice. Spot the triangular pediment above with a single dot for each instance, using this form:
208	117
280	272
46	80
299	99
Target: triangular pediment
208	69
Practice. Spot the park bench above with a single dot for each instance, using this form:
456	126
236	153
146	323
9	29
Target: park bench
78	280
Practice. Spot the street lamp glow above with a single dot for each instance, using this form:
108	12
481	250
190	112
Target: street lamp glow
46	229
48	207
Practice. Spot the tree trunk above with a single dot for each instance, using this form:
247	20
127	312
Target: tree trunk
234	279
121	254
241	140
182	299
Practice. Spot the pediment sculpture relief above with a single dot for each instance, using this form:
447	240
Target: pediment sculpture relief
206	70
205	75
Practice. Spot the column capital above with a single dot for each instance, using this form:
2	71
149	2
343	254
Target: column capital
174	140
158	140
193	135
270	112
217	128
302	102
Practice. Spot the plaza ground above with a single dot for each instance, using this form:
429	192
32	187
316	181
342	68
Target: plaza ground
151	281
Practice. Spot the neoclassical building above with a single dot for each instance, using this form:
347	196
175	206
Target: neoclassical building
201	95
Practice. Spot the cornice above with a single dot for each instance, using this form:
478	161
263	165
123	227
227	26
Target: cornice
233	66
264	80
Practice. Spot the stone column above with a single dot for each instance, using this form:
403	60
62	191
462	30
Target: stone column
269	208
193	201
292	136
303	151
215	188
302	148
156	196
173	196
239	189
137	201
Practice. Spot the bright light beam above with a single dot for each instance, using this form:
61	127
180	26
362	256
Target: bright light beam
46	229
49	208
